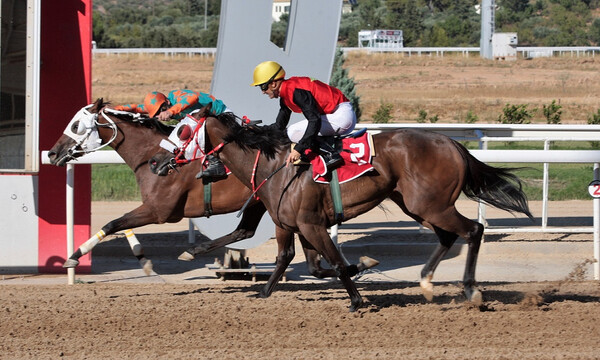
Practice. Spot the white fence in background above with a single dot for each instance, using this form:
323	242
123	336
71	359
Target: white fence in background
483	133
525	51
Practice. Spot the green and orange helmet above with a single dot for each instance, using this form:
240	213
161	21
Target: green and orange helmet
153	101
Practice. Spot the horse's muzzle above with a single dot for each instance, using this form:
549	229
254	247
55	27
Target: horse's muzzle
161	167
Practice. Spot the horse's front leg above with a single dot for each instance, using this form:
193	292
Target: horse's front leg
140	216
285	255
246	229
320	240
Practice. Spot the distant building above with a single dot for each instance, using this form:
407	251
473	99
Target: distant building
504	46
281	7
388	39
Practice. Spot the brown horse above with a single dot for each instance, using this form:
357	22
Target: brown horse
422	172
165	199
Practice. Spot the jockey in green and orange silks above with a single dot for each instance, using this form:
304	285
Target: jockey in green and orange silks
175	105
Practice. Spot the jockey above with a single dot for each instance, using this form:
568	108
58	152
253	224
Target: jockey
177	104
328	112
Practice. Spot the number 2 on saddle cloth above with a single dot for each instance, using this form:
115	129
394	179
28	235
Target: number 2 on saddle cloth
357	152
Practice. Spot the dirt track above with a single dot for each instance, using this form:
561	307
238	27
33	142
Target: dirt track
518	321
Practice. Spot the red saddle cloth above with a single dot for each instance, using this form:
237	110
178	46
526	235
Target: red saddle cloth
357	153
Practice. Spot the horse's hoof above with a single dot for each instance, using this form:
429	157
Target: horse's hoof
367	262
356	306
263	295
146	266
70	263
427	288
186	256
474	296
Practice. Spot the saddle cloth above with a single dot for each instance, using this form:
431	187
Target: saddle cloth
357	153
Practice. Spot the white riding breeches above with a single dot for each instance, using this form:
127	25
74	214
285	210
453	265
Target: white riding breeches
341	122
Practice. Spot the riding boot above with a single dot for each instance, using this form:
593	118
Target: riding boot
215	170
330	155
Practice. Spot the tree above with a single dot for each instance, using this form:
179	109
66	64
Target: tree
406	16
340	80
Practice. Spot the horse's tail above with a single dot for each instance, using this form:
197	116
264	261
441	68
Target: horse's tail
496	186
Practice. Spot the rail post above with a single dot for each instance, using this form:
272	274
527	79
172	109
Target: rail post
70	220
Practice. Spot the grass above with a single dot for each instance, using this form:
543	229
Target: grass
114	183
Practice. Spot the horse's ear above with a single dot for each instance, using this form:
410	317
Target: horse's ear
98	105
203	112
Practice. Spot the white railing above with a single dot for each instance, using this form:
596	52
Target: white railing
163	51
526	51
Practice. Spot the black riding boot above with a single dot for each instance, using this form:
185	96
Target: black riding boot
330	155
215	170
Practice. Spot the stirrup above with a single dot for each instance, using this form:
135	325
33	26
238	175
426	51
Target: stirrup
333	161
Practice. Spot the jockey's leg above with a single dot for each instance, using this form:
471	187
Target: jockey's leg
215	170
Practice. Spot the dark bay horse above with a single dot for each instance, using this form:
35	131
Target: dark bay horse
164	199
422	172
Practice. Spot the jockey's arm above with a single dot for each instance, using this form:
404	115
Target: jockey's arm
135	108
181	100
283	117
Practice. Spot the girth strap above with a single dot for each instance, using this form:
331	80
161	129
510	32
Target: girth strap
208	211
336	195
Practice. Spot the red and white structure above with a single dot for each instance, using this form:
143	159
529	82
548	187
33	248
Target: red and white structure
45	79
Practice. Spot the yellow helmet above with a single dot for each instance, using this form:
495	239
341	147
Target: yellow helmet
267	71
153	102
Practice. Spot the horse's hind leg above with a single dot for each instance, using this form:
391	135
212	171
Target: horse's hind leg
246	229
285	255
446	241
447	226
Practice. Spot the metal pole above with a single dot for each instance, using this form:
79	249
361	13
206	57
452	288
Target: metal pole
597	226
545	190
205	12
191	232
70	220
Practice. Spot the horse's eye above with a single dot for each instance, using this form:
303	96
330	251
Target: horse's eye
78	128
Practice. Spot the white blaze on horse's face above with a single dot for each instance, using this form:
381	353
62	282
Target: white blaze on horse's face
82	128
181	134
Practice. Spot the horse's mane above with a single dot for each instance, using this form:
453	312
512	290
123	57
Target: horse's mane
268	139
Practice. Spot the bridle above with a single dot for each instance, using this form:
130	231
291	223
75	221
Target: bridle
84	137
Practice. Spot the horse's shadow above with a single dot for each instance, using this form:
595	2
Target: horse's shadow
375	300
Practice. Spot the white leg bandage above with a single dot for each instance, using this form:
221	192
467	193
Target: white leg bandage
87	246
135	245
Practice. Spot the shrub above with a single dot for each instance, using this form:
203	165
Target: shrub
423	117
594	119
471	117
515	114
552	113
383	115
